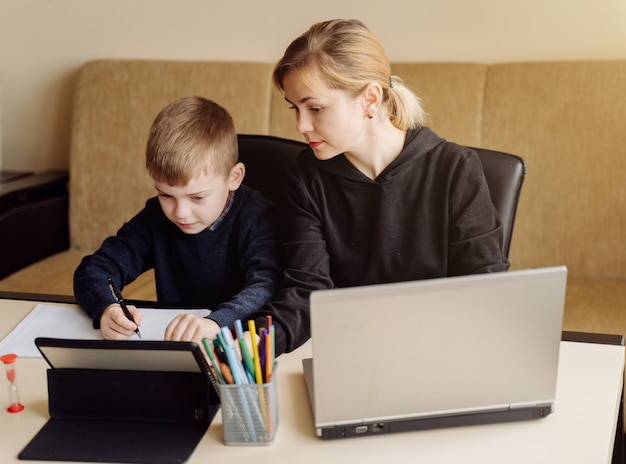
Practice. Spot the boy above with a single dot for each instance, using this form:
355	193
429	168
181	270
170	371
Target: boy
211	240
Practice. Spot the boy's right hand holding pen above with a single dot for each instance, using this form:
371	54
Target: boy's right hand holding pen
119	321
114	324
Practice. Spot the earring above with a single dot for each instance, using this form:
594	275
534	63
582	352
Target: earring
370	116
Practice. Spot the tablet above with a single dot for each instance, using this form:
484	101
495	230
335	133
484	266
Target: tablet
134	355
123	401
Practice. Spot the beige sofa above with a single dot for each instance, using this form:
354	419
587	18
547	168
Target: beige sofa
567	119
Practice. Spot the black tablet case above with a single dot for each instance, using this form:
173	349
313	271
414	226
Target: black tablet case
132	416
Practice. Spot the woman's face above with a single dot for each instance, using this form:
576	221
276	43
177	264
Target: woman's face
332	121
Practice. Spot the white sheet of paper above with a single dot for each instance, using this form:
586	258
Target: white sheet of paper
73	323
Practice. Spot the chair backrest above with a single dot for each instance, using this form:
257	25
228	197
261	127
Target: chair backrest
505	175
267	159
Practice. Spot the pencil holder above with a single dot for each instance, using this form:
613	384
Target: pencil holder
249	412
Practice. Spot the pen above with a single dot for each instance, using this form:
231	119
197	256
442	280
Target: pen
255	353
245	354
233	361
118	296
262	353
269	354
213	359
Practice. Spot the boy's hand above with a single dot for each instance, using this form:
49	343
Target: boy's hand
115	325
190	328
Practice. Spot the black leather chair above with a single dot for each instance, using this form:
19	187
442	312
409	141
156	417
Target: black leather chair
267	159
505	175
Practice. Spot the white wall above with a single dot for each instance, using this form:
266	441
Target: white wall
43	42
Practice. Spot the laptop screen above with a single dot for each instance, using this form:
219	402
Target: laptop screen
436	347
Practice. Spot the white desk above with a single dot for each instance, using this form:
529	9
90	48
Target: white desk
582	429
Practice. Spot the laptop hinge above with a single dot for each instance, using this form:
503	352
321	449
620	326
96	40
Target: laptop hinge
530	404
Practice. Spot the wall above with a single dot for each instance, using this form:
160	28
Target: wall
43	43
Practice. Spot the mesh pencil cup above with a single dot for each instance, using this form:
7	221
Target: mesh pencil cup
249	412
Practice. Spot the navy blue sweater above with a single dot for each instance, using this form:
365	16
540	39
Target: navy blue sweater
232	270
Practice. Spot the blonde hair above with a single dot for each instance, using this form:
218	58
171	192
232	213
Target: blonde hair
347	56
190	136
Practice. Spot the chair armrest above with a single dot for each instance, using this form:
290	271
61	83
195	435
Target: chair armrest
33	219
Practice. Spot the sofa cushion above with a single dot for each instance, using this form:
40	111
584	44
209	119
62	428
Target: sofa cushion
567	120
452	95
55	276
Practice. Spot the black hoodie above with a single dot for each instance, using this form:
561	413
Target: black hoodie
428	214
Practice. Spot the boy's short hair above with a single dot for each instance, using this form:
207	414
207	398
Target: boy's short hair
189	136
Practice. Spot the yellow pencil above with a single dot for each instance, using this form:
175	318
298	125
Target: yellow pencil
258	374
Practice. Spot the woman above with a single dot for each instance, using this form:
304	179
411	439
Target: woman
378	197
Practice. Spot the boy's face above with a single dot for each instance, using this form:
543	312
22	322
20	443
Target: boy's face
197	205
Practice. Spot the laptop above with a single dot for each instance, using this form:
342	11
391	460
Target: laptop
435	353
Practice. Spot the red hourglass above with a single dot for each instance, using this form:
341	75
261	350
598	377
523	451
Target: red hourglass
14	397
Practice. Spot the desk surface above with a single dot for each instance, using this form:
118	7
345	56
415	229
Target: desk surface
580	431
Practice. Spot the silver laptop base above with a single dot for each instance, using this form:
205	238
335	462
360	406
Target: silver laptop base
404	425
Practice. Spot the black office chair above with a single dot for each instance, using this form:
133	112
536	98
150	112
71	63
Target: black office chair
505	175
267	159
